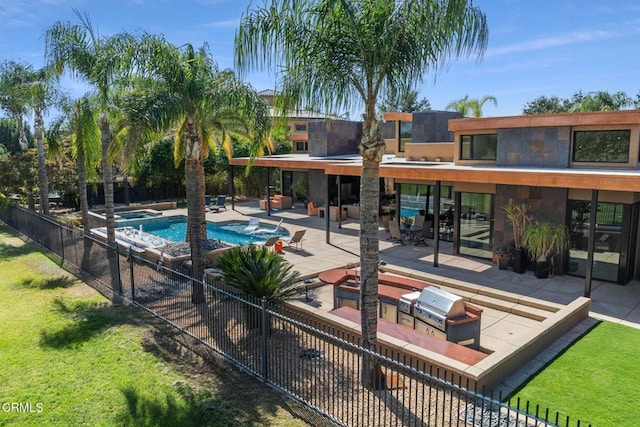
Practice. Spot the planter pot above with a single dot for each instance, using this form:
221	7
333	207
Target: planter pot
542	269
519	260
503	262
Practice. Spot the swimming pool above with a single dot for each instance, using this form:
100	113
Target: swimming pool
174	228
139	214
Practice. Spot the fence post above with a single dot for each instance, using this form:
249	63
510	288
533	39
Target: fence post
61	243
264	328
131	275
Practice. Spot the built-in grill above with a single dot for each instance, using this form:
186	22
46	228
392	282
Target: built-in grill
445	315
435	305
407	302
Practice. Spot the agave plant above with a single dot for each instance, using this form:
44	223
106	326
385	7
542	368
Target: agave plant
260	273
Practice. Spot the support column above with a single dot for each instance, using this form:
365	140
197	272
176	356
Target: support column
436	223
592	242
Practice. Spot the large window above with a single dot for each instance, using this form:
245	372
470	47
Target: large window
406	129
606	146
302	146
478	147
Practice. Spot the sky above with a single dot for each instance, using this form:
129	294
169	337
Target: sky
536	47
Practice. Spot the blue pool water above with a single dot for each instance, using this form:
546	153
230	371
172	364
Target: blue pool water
136	214
175	229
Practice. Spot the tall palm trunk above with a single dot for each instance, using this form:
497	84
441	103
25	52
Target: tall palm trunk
22	135
42	165
203	228
372	148
195	218
194	173
82	187
109	207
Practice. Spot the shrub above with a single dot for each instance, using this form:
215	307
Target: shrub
260	273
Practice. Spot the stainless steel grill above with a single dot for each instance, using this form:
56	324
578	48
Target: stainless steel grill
407	302
434	306
444	315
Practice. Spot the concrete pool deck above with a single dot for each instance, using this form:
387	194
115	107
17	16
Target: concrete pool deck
609	301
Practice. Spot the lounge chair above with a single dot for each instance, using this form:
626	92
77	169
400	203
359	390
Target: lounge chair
295	239
254	223
221	203
270	243
394	232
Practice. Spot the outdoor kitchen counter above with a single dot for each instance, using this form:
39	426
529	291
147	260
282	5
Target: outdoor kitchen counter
338	276
445	348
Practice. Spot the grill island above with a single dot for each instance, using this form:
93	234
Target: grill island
445	315
410	302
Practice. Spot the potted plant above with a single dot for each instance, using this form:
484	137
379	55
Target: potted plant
543	240
503	255
517	215
258	272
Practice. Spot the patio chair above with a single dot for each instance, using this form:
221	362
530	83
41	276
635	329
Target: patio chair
296	239
424	234
312	209
271	242
253	225
395	233
221	203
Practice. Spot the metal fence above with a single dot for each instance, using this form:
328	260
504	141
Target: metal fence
314	367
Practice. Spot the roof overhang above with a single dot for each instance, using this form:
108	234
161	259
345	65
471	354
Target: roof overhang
401	169
599	118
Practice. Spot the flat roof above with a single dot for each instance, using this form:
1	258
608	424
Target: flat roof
627	180
620	117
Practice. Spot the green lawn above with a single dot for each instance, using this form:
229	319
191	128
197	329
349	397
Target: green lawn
76	360
597	380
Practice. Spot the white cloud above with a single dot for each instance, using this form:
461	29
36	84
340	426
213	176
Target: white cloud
553	41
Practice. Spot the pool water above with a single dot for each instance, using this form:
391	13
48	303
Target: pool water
136	214
175	230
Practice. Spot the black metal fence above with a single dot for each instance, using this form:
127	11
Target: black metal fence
319	369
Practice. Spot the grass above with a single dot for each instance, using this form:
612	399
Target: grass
77	360
596	380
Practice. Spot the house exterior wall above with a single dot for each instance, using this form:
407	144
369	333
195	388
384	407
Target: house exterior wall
541	147
334	137
433	126
317	187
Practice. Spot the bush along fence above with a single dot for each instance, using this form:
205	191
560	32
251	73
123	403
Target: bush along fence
312	366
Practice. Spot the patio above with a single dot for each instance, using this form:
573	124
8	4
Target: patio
609	301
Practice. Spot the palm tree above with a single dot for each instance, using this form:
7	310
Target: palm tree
471	107
334	54
14	95
43	93
84	135
100	62
203	106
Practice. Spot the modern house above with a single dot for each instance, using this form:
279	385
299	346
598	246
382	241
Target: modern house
577	169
